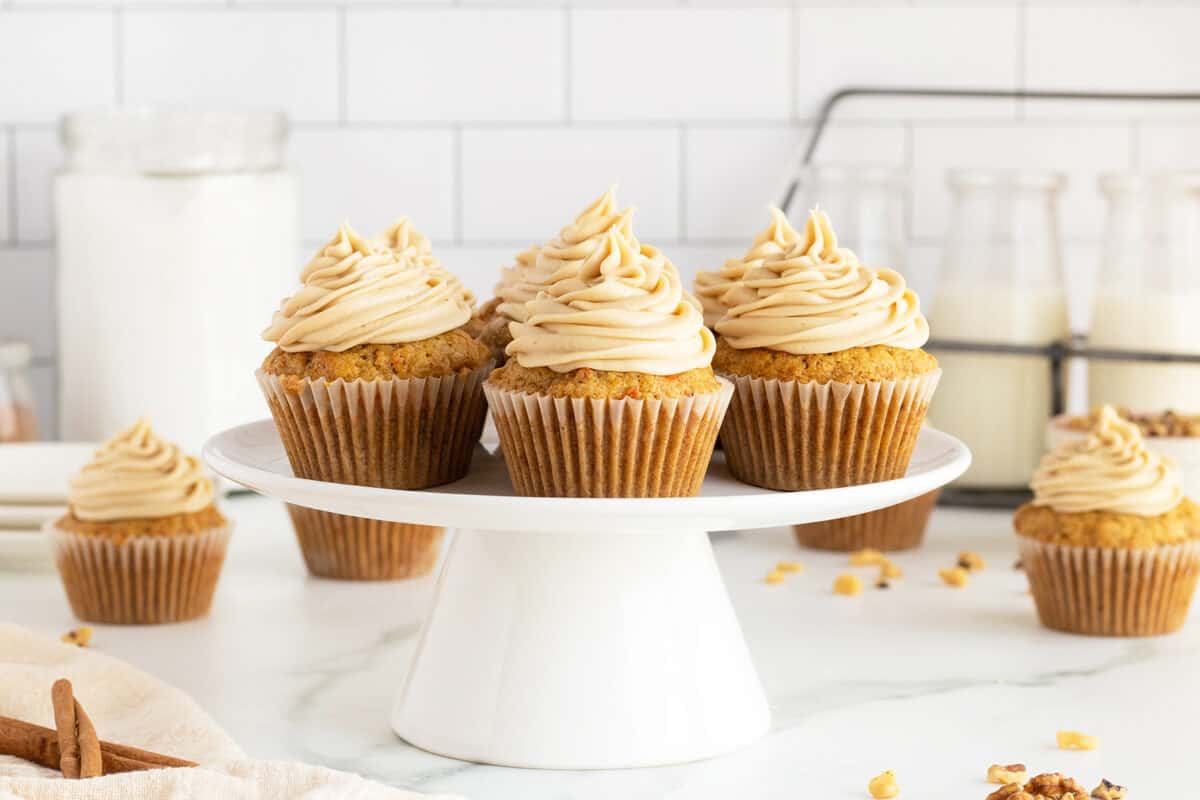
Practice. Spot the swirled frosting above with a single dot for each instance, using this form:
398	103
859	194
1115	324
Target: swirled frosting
775	240
621	309
136	475
355	294
411	246
1110	470
811	296
538	267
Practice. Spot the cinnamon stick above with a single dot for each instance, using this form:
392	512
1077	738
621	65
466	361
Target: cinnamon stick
40	745
63	697
90	765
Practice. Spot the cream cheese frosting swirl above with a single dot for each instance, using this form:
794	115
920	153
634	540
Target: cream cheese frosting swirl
775	240
622	308
1110	470
410	245
355	294
538	267
814	297
136	475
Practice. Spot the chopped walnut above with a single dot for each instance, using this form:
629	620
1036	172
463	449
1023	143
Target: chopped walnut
867	557
1107	790
80	637
883	584
1165	423
884	786
1010	791
1074	740
789	566
847	584
889	569
1010	773
955	576
774	576
1055	786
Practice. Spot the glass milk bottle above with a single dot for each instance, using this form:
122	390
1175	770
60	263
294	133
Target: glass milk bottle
1001	282
1148	292
177	236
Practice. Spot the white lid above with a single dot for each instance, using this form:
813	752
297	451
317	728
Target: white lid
14	355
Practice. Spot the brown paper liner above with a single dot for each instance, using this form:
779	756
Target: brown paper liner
1111	591
397	434
358	549
791	436
143	580
898	527
579	447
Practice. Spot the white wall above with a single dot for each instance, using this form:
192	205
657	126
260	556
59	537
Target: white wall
491	123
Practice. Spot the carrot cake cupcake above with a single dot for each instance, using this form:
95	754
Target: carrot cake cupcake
608	390
825	352
710	286
374	382
1109	542
142	541
409	244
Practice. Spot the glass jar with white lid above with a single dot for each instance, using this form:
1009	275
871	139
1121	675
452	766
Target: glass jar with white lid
18	421
177	234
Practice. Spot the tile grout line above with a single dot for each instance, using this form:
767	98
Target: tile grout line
343	69
683	183
568	67
457	186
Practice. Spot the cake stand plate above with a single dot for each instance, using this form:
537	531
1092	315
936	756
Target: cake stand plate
579	633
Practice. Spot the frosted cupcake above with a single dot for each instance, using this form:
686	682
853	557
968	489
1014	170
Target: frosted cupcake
537	267
410	245
825	352
374	382
1109	542
608	390
143	541
710	287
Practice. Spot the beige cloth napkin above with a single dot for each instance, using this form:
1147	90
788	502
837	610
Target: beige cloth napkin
130	707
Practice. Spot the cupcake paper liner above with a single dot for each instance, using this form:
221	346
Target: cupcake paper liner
141	580
579	447
791	436
398	434
1110	591
898	527
354	548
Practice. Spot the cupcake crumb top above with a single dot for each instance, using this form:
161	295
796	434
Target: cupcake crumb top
586	382
1108	528
855	365
445	354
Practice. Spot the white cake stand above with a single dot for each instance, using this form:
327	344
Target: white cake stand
573	633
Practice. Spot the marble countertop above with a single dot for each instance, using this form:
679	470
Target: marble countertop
932	682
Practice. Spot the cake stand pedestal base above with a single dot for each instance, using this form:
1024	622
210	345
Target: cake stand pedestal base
570	650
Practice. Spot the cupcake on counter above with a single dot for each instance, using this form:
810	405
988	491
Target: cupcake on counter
825	352
608	390
143	541
374	382
538	267
1109	542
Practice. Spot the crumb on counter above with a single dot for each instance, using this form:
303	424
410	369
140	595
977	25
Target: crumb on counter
971	561
884	785
774	576
890	569
789	566
1007	773
867	557
1055	786
80	637
847	584
1074	740
1107	790
955	576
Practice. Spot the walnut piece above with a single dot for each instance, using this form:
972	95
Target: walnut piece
1007	773
971	561
867	557
1055	786
1074	740
955	576
1107	790
884	786
1010	791
847	584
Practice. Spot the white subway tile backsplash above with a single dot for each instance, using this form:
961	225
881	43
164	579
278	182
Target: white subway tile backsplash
459	64
43	379
370	177
477	267
926	46
54	61
39	154
1082	152
708	64
27	298
233	58
1123	49
1168	147
523	185
733	173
